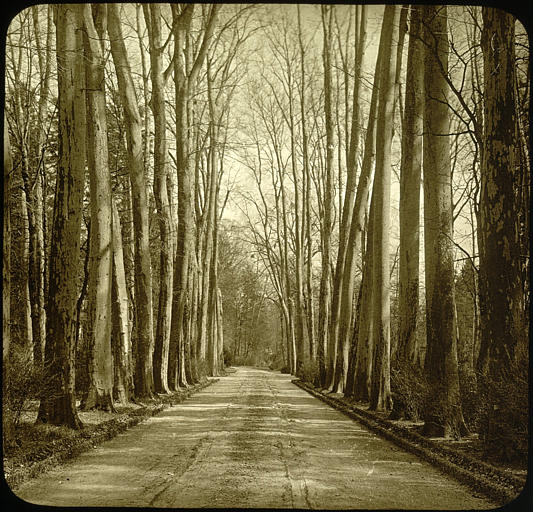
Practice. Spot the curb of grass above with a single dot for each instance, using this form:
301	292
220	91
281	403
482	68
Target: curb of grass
102	432
493	482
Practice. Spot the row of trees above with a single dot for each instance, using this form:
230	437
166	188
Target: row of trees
337	155
352	160
115	132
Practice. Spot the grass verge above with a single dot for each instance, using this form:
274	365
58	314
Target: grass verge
497	484
42	447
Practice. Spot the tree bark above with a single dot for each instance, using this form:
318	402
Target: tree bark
442	415
410	174
120	335
6	248
58	407
144	338
100	391
326	344
380	395
504	331
157	104
343	284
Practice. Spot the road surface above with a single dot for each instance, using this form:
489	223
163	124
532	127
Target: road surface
253	440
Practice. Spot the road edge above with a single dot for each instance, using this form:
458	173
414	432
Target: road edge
104	431
477	475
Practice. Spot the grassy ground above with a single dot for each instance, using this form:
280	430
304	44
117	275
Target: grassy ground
469	445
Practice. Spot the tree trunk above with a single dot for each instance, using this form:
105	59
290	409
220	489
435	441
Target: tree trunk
410	173
144	338
58	407
157	104
34	191
120	335
100	391
342	303
503	323
326	343
182	20
6	248
365	329
442	416
380	395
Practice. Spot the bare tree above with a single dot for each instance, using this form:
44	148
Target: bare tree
144	339
410	175
380	396
443	416
59	407
100	389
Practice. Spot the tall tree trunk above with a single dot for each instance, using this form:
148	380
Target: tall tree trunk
342	303
365	329
59	406
380	395
410	174
120	335
326	343
443	416
144	338
176	375
34	191
306	210
100	391
157	104
503	307
6	249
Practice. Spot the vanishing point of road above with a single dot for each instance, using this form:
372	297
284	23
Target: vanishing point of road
254	440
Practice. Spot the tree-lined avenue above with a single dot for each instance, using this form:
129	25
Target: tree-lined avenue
252	439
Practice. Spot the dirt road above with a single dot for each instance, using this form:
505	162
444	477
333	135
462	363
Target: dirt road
253	439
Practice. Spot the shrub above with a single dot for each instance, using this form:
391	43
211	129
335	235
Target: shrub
227	355
505	417
201	368
409	390
23	381
473	399
308	371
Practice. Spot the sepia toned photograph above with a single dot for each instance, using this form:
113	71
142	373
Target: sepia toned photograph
265	256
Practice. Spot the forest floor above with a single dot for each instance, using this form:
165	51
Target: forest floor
252	439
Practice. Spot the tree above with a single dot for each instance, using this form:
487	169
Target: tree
34	192
184	82
442	414
144	338
152	16
6	248
59	408
327	344
100	391
355	200
502	304
380	396
120	334
410	173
